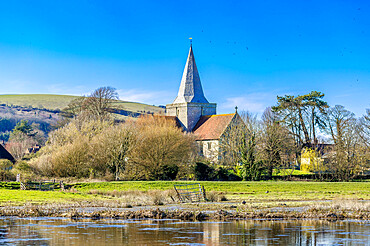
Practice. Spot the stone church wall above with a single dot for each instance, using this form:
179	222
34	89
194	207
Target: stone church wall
189	113
209	149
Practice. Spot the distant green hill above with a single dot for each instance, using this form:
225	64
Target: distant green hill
46	101
53	102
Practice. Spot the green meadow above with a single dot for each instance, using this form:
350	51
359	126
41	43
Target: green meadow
253	190
261	191
46	101
52	102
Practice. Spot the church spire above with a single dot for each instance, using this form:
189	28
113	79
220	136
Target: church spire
190	87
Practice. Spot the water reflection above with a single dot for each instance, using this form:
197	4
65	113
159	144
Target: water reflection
61	231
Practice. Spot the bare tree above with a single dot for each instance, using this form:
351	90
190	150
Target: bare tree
98	105
345	161
160	150
277	145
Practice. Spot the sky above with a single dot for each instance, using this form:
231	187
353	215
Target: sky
247	52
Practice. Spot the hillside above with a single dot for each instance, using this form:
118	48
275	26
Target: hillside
59	102
45	110
52	102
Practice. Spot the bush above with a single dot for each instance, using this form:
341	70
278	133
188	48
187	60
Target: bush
5	167
223	174
158	145
25	170
204	172
144	150
168	172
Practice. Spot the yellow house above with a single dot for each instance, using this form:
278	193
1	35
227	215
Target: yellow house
312	160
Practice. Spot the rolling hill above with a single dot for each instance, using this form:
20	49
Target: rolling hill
46	110
59	102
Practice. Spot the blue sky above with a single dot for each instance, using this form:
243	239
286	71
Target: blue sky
247	52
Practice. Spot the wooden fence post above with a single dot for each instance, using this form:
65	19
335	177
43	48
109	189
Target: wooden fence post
204	193
62	185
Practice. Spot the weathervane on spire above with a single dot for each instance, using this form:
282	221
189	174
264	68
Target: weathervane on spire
191	41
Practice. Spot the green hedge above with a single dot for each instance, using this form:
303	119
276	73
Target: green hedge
10	185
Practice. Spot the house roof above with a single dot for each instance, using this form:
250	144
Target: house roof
212	126
4	154
190	87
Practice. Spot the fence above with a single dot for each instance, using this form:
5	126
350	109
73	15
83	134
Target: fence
42	185
190	192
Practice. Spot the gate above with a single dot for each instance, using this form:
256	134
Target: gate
190	192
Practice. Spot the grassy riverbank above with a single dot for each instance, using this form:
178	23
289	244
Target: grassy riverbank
263	191
229	200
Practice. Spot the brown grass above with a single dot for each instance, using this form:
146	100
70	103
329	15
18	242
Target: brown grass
139	198
342	205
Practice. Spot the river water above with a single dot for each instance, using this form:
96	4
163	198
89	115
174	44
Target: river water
62	231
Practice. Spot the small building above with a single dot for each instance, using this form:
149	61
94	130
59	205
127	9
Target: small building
198	116
4	154
313	159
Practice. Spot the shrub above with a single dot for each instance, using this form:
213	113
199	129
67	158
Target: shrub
203	171
159	144
5	167
223	174
168	172
146	150
25	170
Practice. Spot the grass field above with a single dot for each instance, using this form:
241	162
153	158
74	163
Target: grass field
46	101
263	191
53	102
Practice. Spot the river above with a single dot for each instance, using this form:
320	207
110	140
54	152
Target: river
63	231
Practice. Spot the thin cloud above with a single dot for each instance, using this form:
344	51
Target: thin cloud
149	97
254	102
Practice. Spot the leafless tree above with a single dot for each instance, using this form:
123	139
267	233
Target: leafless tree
277	147
346	159
98	105
159	145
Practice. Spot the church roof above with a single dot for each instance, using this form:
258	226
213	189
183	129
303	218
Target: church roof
190	87
212	126
4	154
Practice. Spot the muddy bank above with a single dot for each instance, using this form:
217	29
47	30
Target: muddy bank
183	214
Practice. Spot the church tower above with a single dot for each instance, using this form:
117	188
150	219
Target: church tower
190	103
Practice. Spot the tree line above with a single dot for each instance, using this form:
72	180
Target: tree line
334	141
90	143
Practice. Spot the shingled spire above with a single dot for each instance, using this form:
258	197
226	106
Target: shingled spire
190	87
190	103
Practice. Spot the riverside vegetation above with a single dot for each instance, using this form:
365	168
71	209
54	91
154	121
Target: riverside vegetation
227	200
94	145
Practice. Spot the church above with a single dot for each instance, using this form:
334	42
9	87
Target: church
198	116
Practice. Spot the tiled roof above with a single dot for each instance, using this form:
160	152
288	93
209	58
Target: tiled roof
212	126
4	154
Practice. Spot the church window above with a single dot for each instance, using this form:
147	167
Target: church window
209	146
